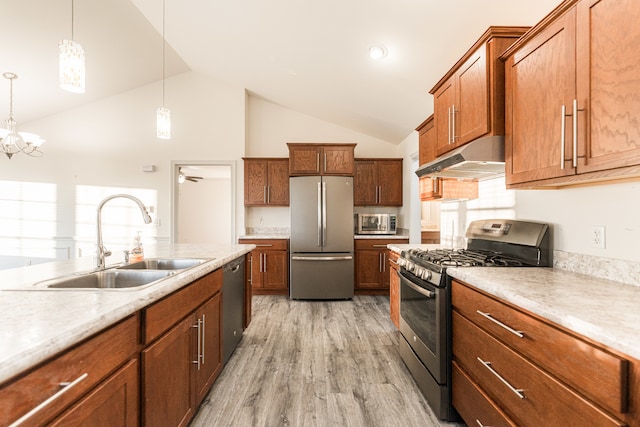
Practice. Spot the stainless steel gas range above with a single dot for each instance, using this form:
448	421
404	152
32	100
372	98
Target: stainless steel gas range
425	296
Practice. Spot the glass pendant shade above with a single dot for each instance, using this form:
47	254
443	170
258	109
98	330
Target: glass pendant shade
163	125
72	69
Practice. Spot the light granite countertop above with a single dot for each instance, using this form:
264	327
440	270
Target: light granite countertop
265	236
602	310
381	236
37	324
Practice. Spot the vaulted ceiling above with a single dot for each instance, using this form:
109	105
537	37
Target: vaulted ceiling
309	56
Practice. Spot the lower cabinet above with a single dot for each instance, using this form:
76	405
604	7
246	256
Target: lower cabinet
268	266
371	272
512	368
183	356
394	289
93	384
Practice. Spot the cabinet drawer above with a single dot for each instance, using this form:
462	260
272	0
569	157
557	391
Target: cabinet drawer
267	244
89	363
473	404
527	394
590	369
378	243
160	316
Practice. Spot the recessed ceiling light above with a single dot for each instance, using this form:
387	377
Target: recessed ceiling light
377	51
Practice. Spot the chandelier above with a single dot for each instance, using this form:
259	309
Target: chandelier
13	142
71	63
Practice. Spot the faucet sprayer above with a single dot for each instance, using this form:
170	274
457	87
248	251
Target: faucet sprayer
102	251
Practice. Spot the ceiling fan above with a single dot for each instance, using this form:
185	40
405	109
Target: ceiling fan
182	177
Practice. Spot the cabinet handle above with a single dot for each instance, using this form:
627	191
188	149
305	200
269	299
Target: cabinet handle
480	424
436	183
449	125
264	264
318	162
251	270
575	132
264	194
563	113
518	391
384	262
453	124
325	162
197	326
268	194
499	323
203	338
264	245
380	263
379	246
66	386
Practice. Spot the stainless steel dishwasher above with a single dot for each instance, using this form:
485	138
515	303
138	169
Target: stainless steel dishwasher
232	306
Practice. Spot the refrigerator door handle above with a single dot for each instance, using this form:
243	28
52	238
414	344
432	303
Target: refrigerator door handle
319	214
324	213
322	258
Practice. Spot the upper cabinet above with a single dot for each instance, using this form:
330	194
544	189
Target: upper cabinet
377	182
469	99
321	159
427	141
266	182
572	96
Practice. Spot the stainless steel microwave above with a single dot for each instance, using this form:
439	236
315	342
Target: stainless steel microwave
370	223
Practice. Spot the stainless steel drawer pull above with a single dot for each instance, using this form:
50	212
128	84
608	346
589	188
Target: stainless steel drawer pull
517	391
563	114
379	246
66	386
499	323
263	245
203	337
480	424
198	327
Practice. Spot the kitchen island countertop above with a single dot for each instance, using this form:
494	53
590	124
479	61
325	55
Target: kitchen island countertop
37	324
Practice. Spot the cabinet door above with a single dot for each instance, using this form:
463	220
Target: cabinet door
365	183
540	79
608	67
444	100
427	142
274	270
168	377
304	160
337	160
278	182
394	291
369	269
255	182
471	116
255	274
210	365
390	182
115	402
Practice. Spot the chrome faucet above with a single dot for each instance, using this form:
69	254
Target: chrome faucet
102	251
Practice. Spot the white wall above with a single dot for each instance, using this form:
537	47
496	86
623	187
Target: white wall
107	142
409	214
271	126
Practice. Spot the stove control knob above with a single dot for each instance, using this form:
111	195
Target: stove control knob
426	274
411	266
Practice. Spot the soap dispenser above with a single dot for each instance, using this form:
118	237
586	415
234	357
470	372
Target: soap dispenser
137	253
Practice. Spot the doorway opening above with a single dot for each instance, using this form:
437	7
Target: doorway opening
203	200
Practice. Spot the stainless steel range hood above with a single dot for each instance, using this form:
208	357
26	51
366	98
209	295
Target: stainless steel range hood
480	159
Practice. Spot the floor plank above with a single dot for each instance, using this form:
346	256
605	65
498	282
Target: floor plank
317	363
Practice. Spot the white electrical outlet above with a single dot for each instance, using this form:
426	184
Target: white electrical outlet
597	237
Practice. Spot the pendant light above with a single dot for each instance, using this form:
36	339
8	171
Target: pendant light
72	70
12	141
163	115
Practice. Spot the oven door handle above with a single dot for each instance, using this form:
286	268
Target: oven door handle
427	293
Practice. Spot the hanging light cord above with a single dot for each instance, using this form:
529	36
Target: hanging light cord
163	49
10	98
72	19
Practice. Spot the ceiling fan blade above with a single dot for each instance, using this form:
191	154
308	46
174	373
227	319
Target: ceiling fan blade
190	178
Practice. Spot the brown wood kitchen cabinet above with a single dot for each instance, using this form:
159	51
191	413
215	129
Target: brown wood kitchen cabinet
377	182
469	99
426	141
513	368
571	96
268	266
372	275
99	376
394	289
183	354
321	159
266	181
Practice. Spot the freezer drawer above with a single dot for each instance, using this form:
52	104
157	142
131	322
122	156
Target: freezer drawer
321	275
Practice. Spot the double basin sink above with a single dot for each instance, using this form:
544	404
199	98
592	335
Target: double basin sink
129	276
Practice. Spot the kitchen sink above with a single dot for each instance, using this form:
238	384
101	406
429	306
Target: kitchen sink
164	264
108	279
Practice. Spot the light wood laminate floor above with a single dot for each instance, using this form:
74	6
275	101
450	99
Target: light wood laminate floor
317	363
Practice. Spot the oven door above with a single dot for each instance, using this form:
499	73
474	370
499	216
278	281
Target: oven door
423	323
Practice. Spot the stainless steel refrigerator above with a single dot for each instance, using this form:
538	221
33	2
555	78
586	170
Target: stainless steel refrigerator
321	245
